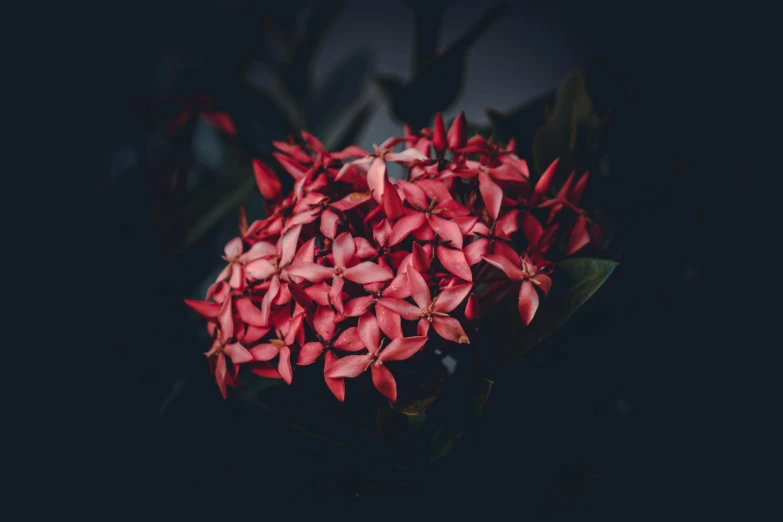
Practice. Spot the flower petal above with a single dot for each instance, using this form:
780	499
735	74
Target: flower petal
450	329
233	248
249	313
288	244
364	248
405	225
544	283
528	302
381	232
313	272
399	287
226	320
471	308
406	156
450	297
491	193
356	307
408	311
376	176
343	249
542	185
329	223
384	382
532	228
336	295
254	333
505	264
323	322
260	268
447	230
264	352
284	365
367	272
454	261
220	374
476	249
369	332
579	236
388	321
309	353
264	369
237	353
319	293
392	204
349	366
402	348
413	194
336	386
420	258
204	308
419	289
267	181
458	132
349	340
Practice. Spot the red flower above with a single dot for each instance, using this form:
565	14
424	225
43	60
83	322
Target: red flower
350	259
398	350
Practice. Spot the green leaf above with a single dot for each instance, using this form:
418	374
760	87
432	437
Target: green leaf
574	283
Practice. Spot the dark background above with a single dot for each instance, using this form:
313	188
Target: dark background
612	400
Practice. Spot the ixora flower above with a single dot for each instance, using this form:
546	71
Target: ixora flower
353	269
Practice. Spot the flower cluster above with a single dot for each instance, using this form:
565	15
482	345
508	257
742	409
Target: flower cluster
357	269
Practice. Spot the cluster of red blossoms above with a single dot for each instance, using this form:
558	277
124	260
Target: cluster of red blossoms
358	269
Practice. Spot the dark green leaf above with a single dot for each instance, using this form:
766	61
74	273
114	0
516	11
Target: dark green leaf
574	282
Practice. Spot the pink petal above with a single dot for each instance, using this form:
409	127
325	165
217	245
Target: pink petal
509	223
579	189
309	353
264	369
376	176
532	228
220	374
349	340
284	365
313	272
254	333
367	272
233	248
388	321
528	302
351	151
364	248
249	313
329	223
503	249
405	225
465	223
450	329
343	249
565	191
384	382
475	250
319	293
454	261
295	325
204	308
323	322
419	289
349	366
402	348
544	283
264	352
405	309
369	332
439	135
226	320
471	308
354	199
259	250
260	268
399	287
336	386
450	298
447	230
579	236
508	173
288	244
306	252
420	260
542	185
506	265
237	353
381	232
392	204
491	193
297	171
423	327
356	307
406	156
413	194
266	302
267	181
336	295
458	132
